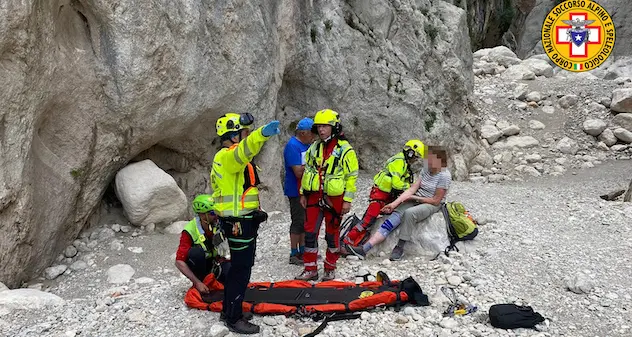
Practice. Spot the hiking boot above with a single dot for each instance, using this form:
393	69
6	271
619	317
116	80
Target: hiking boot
308	275
243	327
397	253
246	316
329	275
357	251
296	259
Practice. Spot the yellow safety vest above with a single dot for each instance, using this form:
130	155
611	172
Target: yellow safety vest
395	175
194	228
234	179
339	171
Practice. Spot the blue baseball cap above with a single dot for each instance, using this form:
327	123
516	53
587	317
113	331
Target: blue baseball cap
305	124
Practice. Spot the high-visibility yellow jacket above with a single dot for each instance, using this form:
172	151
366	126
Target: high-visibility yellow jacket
194	228
339	172
395	175
234	179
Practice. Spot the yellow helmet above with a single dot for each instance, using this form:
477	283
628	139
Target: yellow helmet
233	122
418	148
327	116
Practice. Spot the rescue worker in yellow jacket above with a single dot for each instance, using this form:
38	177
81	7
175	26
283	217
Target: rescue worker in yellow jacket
234	180
389	183
327	190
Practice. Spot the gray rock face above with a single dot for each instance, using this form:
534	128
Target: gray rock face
135	80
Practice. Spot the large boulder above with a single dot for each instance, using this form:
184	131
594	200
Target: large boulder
429	238
149	194
623	120
621	100
110	82
28	299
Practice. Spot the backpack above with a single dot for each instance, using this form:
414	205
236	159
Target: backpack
511	316
461	225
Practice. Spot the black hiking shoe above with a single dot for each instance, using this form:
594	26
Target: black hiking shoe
296	260
243	327
247	316
397	253
357	251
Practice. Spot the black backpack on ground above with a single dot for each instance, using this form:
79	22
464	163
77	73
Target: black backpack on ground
511	316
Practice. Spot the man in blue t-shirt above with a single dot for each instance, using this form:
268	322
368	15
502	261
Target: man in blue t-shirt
294	158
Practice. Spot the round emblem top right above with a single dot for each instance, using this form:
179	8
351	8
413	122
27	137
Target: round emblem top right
578	35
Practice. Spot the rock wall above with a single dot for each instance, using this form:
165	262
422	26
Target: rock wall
496	22
89	86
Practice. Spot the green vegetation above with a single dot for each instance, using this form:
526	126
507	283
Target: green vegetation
75	173
432	31
328	25
430	120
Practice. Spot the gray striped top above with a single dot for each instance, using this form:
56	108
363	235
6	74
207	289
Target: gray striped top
430	183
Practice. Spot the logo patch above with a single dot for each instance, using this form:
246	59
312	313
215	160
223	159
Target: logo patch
578	35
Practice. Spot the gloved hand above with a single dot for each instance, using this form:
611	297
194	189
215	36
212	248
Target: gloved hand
271	129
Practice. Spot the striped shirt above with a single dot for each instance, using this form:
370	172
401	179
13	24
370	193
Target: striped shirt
430	183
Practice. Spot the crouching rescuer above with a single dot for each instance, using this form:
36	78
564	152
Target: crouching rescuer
327	190
197	254
234	180
389	183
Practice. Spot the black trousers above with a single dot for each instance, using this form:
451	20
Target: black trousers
242	241
201	266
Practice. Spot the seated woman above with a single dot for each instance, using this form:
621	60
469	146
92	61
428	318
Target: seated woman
420	201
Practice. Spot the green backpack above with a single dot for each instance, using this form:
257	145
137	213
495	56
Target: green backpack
461	225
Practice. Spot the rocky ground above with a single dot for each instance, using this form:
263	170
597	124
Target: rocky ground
541	236
556	142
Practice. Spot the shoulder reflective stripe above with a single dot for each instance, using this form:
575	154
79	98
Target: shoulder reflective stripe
240	240
237	158
397	174
217	173
198	222
349	195
352	173
247	150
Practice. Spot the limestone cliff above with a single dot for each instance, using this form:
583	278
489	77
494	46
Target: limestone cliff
88	86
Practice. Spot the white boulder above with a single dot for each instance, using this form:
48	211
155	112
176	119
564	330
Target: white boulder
28	299
149	194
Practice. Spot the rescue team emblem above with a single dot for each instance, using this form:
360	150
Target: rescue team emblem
578	35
